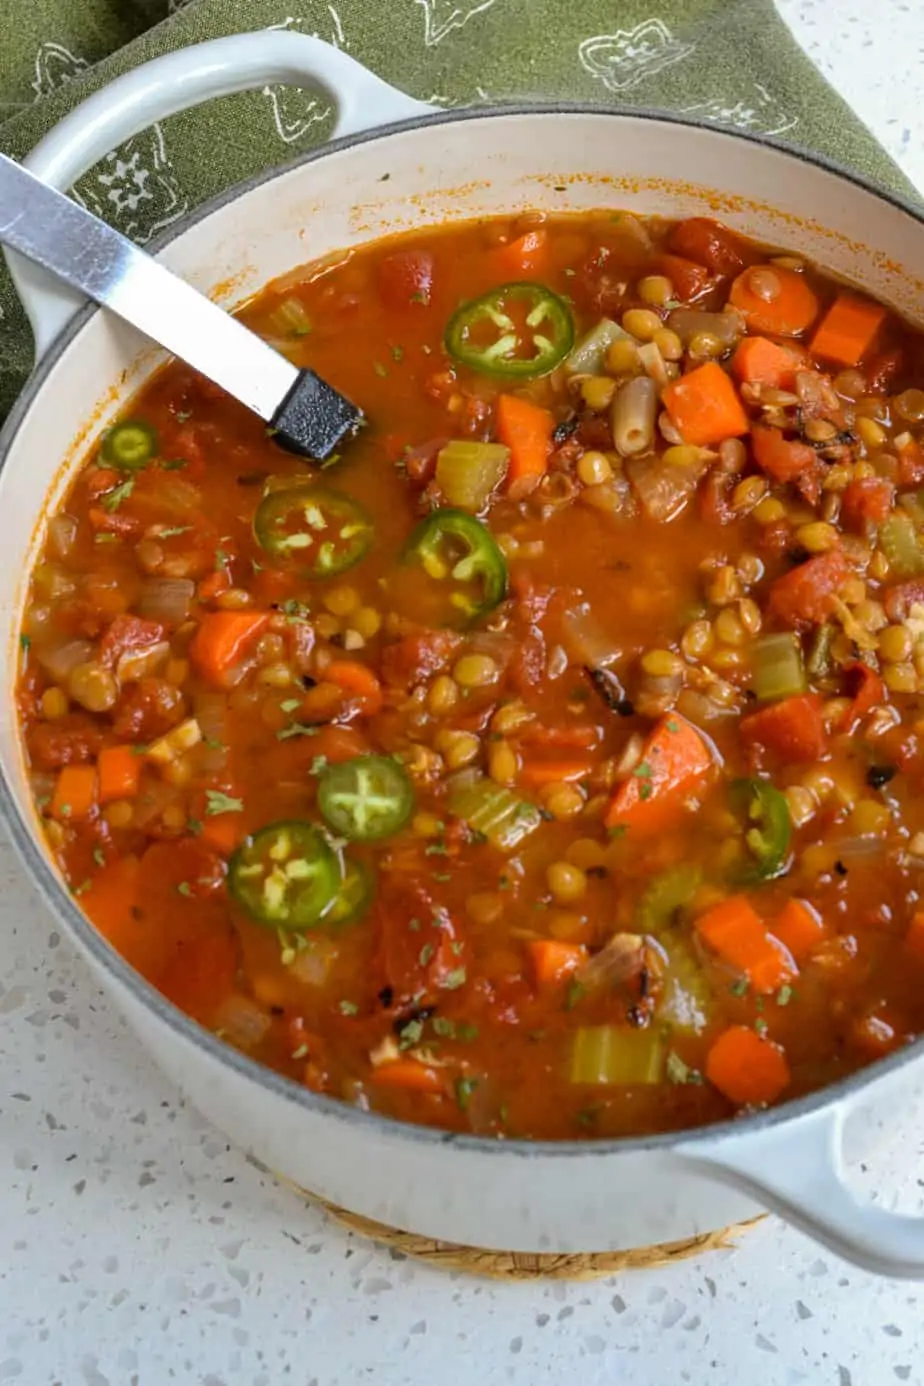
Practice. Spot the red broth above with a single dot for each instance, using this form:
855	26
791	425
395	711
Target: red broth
550	765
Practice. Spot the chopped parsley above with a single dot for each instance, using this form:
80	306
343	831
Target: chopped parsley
379	369
99	856
398	352
784	995
295	610
739	987
216	802
573	994
410	1034
436	849
302	1051
174	465
761	1026
420	296
318	765
464	1089
680	1072
194	826
82	888
296	729
184	888
348	1008
25	641
454	979
113	499
290	704
173	531
426	954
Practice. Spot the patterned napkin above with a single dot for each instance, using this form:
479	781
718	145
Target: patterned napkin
732	62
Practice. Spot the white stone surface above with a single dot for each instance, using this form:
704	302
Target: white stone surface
137	1249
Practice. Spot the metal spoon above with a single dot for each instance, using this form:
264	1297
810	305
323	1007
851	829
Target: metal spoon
308	416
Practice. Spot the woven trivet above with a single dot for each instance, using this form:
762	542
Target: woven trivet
525	1265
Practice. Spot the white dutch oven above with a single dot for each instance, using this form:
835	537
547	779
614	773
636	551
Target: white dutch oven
590	1196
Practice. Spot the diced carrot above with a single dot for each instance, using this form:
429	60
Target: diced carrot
910	460
553	960
758	361
914	936
576	738
223	831
704	406
74	796
848	330
792	309
110	901
526	255
675	758
527	431
213	585
802	597
746	1069
866	501
411	1075
359	682
688	279
538	773
782	458
799	927
734	930
711	244
222	640
868	691
119	773
793	729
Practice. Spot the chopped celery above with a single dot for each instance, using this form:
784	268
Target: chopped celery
611	1054
901	544
687	999
489	808
665	895
590	353
290	319
467	472
777	670
819	660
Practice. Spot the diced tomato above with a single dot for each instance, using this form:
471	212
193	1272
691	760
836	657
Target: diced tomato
793	729
710	244
416	657
866	502
867	691
72	740
424	953
405	279
128	633
689	279
782	458
802	598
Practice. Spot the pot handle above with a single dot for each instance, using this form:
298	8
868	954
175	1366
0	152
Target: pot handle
173	83
796	1169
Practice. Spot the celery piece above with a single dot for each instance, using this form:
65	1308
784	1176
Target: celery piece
589	355
615	1054
501	816
901	544
467	472
777	670
665	895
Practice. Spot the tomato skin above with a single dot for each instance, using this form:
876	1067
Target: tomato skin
405	279
424	954
802	597
794	730
690	280
710	244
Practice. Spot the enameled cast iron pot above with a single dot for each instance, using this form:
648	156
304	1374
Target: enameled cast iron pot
571	1196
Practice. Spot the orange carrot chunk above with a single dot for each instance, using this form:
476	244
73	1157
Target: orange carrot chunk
411	1075
746	1069
775	300
527	431
848	330
675	758
800	928
553	960
222	641
734	931
758	361
119	773
704	406
794	729
75	793
357	681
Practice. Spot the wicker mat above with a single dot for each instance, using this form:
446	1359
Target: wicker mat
524	1265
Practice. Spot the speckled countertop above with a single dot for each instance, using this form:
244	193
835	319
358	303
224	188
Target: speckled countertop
137	1248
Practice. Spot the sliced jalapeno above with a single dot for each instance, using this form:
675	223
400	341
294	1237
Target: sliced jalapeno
767	828
520	330
130	445
454	548
286	876
321	530
366	798
354	897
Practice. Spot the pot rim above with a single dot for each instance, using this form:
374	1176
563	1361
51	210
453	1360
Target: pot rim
62	903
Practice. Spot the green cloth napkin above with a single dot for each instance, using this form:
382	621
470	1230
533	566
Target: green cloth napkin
732	62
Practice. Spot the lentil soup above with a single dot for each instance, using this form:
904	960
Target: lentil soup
551	764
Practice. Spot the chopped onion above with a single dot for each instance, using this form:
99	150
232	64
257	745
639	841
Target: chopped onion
242	1021
166	599
62	535
662	487
690	322
619	960
61	659
585	640
139	664
290	318
156	795
313	963
178	497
